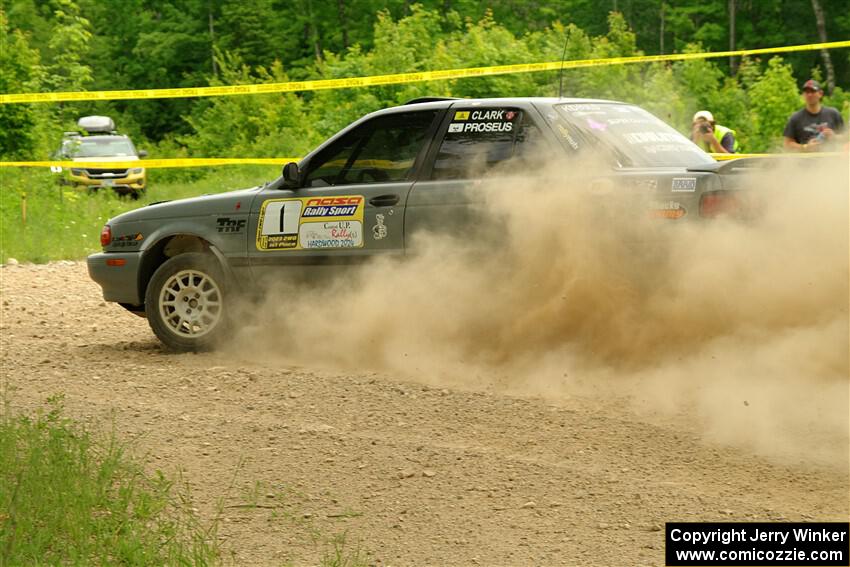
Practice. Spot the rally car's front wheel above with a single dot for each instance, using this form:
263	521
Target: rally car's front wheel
185	302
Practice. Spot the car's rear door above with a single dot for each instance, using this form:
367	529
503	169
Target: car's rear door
351	201
478	147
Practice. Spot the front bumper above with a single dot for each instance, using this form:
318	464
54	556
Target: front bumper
120	283
128	184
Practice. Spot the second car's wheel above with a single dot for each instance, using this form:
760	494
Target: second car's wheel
185	302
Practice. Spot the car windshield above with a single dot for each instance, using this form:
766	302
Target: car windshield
99	147
632	135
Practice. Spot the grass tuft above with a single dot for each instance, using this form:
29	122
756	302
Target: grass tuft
69	498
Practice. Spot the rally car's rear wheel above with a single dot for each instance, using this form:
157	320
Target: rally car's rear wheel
185	302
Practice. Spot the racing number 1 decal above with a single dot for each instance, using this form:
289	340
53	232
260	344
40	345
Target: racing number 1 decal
279	225
311	222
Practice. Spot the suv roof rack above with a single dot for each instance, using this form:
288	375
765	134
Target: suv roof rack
430	99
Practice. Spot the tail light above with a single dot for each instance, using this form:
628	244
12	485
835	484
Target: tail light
720	203
105	235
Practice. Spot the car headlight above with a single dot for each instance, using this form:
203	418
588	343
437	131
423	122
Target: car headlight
77	171
137	170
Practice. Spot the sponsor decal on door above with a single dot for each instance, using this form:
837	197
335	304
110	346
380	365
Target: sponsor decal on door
307	223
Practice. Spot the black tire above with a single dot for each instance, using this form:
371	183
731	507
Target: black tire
185	302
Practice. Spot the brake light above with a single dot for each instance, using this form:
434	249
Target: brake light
105	235
719	203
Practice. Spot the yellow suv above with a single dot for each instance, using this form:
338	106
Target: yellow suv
102	143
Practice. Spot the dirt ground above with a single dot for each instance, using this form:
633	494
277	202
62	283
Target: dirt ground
411	470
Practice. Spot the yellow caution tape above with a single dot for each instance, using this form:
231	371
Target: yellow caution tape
210	162
396	79
726	157
151	163
198	162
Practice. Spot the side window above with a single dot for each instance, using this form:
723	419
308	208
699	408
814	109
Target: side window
382	150
479	140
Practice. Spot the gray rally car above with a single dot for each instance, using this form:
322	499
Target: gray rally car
369	188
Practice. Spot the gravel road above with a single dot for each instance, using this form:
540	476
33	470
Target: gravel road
414	471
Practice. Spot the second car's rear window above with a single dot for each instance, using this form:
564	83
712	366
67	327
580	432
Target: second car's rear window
633	135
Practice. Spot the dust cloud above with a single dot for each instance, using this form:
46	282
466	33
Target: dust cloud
739	327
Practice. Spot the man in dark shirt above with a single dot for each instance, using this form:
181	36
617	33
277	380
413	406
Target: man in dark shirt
811	127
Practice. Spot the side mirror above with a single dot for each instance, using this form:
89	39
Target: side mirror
143	153
291	174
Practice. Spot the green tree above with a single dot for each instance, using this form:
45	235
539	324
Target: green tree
249	30
731	107
32	18
481	44
173	50
69	46
20	71
700	78
269	125
773	98
407	44
696	22
161	44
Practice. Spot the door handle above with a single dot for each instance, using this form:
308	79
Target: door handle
384	201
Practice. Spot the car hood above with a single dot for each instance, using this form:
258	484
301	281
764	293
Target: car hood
232	202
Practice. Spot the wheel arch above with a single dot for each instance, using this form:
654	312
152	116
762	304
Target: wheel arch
173	245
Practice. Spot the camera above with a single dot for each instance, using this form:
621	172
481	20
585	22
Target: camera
705	128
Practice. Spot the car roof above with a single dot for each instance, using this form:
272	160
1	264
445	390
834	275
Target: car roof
440	103
423	103
445	102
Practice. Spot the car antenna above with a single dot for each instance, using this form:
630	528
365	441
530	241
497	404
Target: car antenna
561	73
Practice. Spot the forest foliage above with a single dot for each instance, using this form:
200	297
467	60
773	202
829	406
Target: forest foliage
69	45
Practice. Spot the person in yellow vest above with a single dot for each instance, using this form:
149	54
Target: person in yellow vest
711	136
